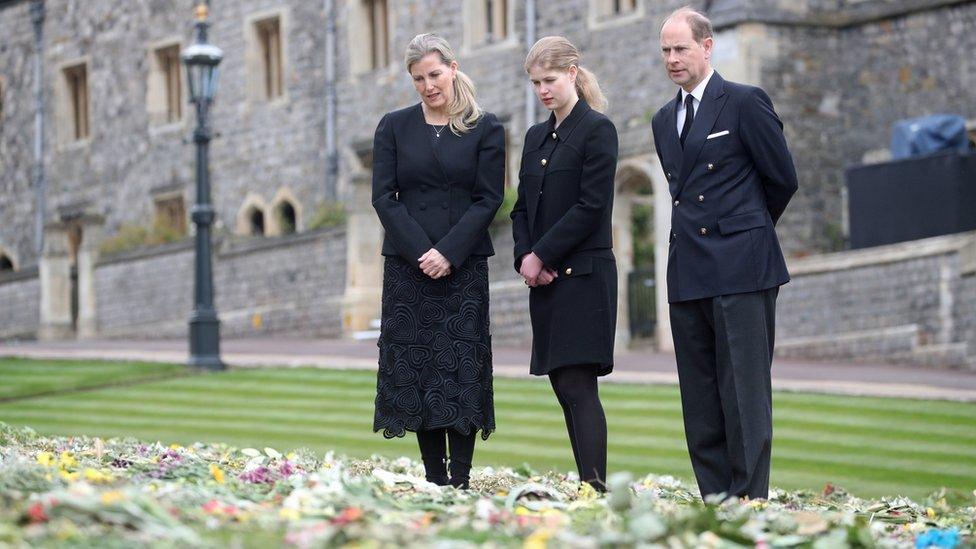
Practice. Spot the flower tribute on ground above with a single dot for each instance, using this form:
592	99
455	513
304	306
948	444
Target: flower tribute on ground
57	490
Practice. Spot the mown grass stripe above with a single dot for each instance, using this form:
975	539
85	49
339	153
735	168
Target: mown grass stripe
261	409
635	443
672	422
877	445
852	414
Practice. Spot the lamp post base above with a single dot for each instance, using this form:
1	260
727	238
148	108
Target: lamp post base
205	341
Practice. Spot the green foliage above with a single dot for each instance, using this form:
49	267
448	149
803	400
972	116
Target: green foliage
130	237
502	216
328	214
835	237
641	218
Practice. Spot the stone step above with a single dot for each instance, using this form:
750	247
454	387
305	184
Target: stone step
940	355
859	345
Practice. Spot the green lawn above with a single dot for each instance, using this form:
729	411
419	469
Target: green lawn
22	377
871	446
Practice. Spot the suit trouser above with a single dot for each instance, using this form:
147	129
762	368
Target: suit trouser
724	347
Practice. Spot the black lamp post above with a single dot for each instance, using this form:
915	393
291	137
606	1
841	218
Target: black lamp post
201	60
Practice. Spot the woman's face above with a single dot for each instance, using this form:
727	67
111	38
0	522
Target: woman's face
434	80
554	87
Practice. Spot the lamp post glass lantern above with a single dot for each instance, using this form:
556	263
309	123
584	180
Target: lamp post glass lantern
201	60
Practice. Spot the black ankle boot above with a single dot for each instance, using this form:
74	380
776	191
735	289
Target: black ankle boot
460	474
436	471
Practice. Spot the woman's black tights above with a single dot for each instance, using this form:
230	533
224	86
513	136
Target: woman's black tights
433	451
578	394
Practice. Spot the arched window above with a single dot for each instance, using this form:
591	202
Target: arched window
6	264
256	222
287	220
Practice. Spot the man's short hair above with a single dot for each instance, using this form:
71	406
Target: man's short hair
701	27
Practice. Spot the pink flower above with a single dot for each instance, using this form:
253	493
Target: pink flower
36	513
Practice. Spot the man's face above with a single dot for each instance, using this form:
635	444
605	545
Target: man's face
686	61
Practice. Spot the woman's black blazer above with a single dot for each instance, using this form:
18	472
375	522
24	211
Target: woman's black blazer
443	199
565	193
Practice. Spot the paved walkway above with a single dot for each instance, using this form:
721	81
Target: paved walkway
875	379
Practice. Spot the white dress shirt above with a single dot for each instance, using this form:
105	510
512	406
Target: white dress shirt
697	93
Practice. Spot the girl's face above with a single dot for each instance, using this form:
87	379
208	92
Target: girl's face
433	80
554	87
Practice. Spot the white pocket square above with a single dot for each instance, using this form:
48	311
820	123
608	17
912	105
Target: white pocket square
719	134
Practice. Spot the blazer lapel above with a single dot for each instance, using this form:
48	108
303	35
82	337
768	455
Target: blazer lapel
532	198
713	100
671	144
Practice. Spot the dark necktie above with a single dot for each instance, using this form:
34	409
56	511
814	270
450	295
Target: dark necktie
689	118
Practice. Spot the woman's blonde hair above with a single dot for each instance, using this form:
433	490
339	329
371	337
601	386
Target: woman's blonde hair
463	111
556	52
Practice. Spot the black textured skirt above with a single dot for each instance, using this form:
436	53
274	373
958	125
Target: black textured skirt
435	351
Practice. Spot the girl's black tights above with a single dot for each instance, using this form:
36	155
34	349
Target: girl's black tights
578	393
433	451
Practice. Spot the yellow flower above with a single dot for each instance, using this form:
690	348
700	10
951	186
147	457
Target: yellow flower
70	477
291	456
587	492
289	514
523	511
108	498
930	512
46	459
538	539
218	475
174	446
67	460
94	475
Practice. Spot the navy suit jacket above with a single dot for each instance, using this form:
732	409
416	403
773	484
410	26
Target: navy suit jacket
729	186
443	199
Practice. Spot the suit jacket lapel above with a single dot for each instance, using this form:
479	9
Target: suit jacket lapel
671	144
713	100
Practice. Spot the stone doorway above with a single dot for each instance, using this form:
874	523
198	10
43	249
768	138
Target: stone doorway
75	234
641	220
67	272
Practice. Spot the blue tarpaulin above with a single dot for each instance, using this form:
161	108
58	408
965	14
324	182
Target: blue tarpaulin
928	134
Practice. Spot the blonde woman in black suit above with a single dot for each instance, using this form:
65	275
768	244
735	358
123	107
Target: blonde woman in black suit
561	225
438	178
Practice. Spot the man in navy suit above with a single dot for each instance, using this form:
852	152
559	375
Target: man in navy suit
731	176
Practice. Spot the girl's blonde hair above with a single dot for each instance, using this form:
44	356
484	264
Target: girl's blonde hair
556	52
463	111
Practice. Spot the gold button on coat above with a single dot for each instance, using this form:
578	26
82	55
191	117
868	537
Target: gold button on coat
703	231
569	270
676	202
554	135
544	162
701	198
711	167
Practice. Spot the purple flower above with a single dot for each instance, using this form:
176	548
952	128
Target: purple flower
286	469
259	475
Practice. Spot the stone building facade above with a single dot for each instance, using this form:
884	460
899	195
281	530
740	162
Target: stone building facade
303	84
